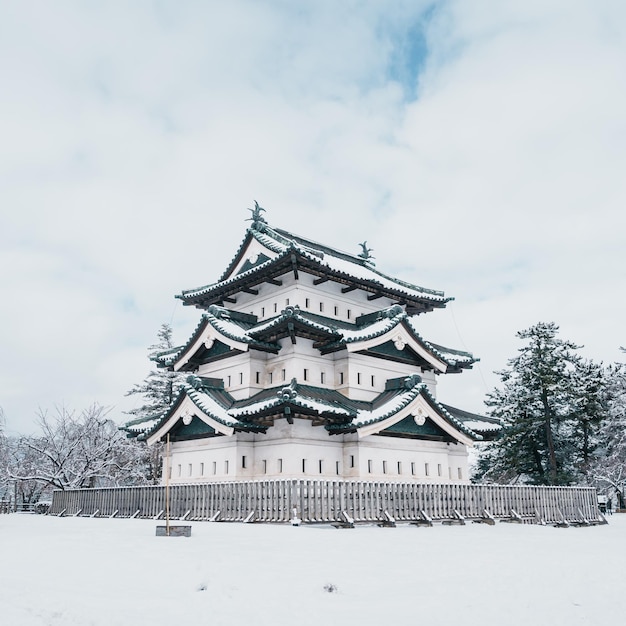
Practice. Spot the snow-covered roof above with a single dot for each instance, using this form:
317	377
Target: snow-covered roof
286	252
331	408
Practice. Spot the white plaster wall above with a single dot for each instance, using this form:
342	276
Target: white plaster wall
281	452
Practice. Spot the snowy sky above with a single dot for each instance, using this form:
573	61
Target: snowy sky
478	146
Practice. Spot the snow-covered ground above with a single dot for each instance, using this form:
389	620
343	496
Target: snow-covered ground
108	572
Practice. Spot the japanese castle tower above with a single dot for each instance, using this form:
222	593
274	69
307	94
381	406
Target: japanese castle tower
307	363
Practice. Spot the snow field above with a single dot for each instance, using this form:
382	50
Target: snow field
116	572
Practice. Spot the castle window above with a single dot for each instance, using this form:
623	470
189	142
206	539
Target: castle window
399	467
190	469
320	465
229	380
303	466
243	462
284	372
439	469
372	380
426	469
258	377
306	303
336	309
170	472
201	469
352	460
180	470
275	307
322	378
264	463
280	466
337	467
306	374
271	377
460	473
369	466
241	378
341	378
287	302
358	378
214	467
384	467
413	468
225	467
262	311
349	313
321	307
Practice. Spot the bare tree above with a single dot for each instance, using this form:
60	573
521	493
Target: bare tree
78	451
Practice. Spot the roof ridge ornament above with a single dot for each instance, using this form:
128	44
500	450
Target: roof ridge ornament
365	253
256	217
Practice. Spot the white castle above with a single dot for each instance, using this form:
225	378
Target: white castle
307	363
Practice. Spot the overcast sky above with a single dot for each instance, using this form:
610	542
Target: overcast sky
478	146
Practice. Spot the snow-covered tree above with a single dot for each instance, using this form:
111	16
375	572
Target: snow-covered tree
77	451
608	467
158	391
160	387
543	407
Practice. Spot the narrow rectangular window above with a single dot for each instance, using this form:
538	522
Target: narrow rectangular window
337	467
190	469
352	460
460	473
284	372
280	466
262	311
438	469
341	378
170	472
258	377
399	467
303	466
320	465
358	378
372	380
271	377
201	469
306	374
426	469
229	380
225	467
275	307
287	302
322	378
321	307
306	303
349	313
264	463
180	470
243	462
214	467
336	310
384	467
413	468
369	466
241	378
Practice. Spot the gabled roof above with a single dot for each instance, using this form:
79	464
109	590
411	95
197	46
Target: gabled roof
267	253
241	332
207	400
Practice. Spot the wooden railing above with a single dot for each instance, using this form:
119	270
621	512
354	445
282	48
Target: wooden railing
326	501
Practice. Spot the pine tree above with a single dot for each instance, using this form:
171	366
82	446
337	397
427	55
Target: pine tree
159	390
160	387
536	403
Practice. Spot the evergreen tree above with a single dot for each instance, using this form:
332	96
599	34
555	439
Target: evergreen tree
159	390
540	409
160	387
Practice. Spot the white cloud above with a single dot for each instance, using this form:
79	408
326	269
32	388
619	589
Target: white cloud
134	137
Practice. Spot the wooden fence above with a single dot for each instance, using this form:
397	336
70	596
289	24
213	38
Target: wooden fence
331	501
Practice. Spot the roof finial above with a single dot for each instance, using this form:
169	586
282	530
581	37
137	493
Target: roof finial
365	254
257	218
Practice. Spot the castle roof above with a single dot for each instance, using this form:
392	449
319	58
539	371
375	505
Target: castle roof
387	333
206	400
267	253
